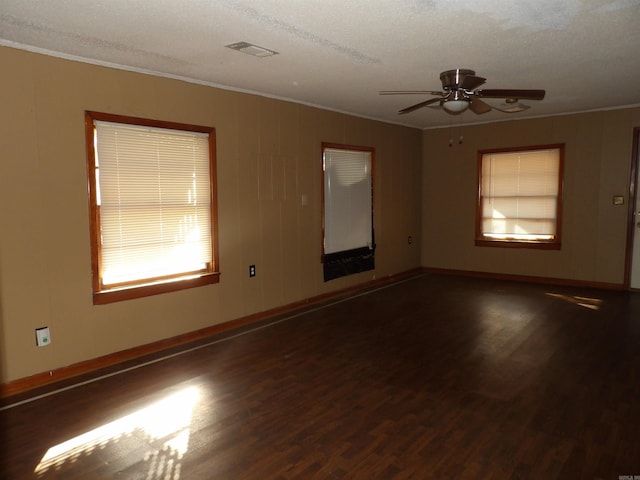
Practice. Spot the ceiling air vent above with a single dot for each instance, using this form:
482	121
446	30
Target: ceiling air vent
251	49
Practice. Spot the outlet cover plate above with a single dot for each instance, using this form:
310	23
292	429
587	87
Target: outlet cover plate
43	337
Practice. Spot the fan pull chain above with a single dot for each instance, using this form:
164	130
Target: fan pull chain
460	139
450	133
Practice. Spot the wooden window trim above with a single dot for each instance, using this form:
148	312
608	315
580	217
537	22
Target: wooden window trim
357	148
553	244
209	275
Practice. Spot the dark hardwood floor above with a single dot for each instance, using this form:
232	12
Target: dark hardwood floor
438	377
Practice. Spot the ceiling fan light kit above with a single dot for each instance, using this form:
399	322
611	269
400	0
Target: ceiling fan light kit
459	94
455	107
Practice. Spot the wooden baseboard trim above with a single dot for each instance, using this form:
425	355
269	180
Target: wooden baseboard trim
93	366
527	278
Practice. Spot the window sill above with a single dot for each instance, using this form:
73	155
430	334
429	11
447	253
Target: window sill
117	295
518	244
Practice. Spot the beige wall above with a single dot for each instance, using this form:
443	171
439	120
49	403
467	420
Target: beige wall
268	155
598	151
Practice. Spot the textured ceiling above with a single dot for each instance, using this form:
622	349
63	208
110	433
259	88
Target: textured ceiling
338	54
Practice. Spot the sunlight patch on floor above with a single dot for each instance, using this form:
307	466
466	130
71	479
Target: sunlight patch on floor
168	419
586	302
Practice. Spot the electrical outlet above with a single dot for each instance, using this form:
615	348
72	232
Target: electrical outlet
252	270
43	336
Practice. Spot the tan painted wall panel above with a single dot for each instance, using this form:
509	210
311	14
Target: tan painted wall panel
268	156
597	166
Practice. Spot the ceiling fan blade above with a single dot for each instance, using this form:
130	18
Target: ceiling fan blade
410	92
471	82
419	105
512	107
478	106
511	93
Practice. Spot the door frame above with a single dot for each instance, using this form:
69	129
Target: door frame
633	196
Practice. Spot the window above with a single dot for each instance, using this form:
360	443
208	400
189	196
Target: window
520	197
348	245
152	204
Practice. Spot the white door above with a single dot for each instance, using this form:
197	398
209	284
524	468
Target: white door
635	259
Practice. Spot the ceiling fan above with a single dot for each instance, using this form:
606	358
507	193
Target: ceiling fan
459	94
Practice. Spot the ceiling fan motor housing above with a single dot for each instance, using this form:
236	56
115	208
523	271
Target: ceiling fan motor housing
452	79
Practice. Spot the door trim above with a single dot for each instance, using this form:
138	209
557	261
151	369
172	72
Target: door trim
633	193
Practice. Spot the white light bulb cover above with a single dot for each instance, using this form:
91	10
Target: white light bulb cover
455	106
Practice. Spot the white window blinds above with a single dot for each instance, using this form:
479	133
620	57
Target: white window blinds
347	200
154	200
519	195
